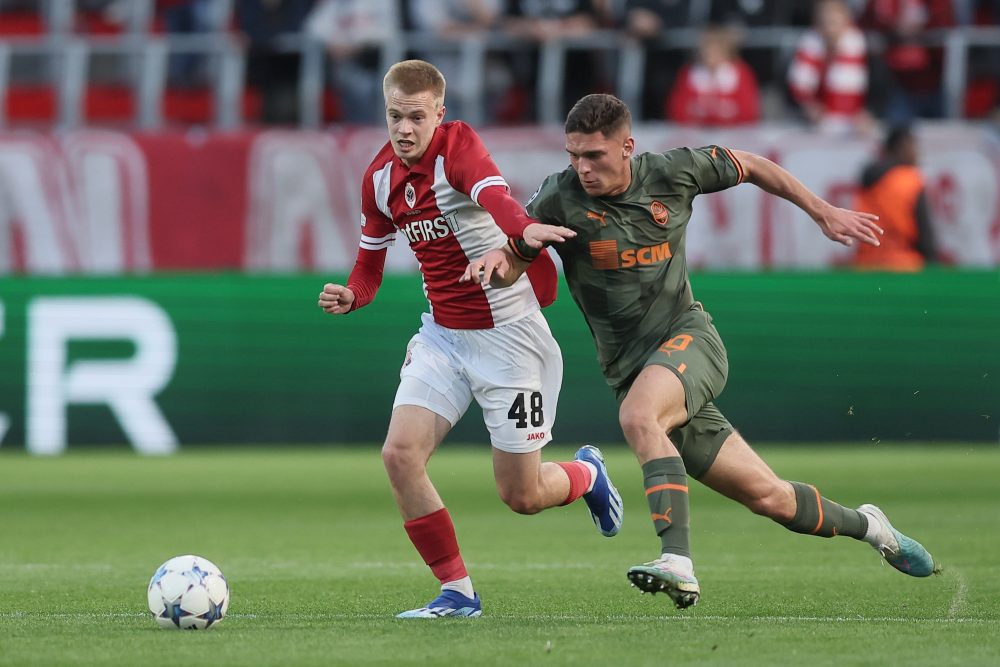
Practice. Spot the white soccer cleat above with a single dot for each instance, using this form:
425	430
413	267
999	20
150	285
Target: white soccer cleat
667	575
449	603
903	553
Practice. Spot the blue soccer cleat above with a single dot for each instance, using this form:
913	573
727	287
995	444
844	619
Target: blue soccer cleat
603	499
449	603
667	575
903	553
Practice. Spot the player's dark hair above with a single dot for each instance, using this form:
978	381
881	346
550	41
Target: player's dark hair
599	113
414	76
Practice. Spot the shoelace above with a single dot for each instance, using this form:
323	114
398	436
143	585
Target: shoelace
887	550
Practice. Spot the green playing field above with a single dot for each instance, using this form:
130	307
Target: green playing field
319	564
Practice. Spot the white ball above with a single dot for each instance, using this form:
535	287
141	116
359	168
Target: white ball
188	593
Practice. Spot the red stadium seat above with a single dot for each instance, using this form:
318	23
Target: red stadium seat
96	23
35	103
196	106
108	103
14	24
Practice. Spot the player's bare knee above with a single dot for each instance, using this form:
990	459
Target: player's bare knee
637	425
521	502
640	426
775	502
397	458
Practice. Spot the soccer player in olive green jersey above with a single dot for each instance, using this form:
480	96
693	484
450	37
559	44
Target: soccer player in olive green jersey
657	346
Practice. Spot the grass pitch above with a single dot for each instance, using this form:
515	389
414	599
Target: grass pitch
318	565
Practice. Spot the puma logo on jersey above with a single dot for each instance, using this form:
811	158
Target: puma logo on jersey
429	230
605	255
594	215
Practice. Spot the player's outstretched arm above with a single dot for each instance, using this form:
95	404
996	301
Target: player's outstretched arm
498	268
538	235
336	299
838	224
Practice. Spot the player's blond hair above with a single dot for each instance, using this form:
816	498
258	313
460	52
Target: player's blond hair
414	76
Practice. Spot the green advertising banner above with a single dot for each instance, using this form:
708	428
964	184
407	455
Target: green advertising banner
162	361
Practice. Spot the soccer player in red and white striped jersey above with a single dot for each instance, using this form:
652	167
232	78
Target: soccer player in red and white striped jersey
828	76
436	184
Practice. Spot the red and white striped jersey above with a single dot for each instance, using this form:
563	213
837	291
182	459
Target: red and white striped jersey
838	80
435	205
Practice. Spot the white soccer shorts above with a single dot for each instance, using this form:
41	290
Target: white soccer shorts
513	371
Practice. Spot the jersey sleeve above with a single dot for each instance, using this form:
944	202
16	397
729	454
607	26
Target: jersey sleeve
377	233
469	166
709	169
377	228
541	206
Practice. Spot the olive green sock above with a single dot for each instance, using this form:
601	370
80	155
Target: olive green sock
667	492
815	515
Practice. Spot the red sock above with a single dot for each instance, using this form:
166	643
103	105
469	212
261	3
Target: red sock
434	537
579	480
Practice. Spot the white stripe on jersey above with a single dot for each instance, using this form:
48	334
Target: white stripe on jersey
382	180
477	233
485	183
376	243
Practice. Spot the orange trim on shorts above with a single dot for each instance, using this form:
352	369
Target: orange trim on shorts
664	487
682	368
739	167
819	504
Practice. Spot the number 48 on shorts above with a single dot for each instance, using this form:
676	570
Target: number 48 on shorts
524	410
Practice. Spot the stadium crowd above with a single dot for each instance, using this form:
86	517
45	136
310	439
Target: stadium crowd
838	64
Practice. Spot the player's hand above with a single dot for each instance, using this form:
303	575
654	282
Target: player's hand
843	226
493	266
537	235
336	299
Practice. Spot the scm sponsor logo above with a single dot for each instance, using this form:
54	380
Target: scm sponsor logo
605	255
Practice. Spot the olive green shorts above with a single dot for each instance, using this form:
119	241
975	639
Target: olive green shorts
694	352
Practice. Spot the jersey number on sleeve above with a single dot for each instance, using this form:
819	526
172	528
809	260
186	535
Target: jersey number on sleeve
520	415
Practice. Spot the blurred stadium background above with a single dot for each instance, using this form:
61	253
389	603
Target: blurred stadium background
178	179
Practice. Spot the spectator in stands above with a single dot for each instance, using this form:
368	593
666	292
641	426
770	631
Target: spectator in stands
271	67
915	66
768	63
645	20
760	13
445	21
353	32
184	17
828	77
718	88
541	21
18	5
982	93
892	187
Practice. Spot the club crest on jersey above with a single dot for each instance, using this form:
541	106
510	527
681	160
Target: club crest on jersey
410	195
660	213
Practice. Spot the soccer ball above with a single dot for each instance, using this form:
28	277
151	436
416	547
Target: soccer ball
188	593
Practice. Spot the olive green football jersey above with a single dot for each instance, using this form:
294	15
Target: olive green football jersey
626	268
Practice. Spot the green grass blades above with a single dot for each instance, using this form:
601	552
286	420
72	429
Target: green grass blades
318	564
